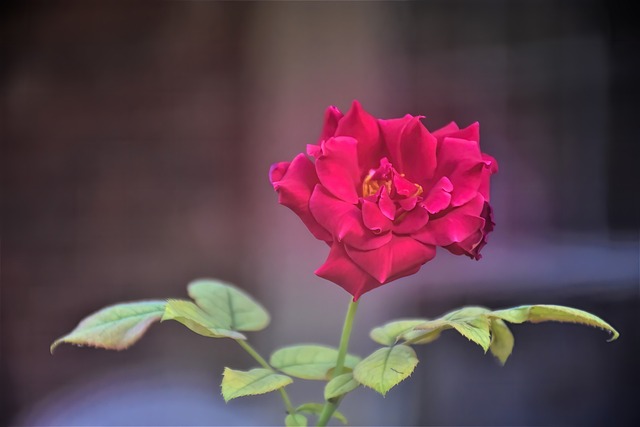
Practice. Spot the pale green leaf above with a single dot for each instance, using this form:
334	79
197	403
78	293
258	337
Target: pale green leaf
501	340
386	367
229	307
558	313
344	370
316	408
309	362
198	320
471	322
342	384
389	333
116	327
295	420
247	383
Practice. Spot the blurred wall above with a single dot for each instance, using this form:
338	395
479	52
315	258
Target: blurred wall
136	140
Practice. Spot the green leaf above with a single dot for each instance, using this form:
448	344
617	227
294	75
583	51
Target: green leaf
386	367
558	313
316	408
116	327
230	307
342	384
391	332
471	322
309	362
295	420
219	311
247	383
501	340
198	320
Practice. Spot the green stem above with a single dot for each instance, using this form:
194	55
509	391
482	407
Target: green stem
330	406
264	364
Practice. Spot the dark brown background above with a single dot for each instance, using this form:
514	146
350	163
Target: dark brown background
136	138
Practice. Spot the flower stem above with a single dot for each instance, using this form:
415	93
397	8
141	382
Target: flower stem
330	406
285	397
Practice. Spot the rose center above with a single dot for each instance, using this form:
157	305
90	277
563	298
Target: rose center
397	186
371	186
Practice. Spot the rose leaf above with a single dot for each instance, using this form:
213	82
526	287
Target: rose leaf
248	383
390	333
557	313
309	362
342	384
231	307
198	320
116	327
501	340
386	367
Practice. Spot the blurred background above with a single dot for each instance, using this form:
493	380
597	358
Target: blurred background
136	140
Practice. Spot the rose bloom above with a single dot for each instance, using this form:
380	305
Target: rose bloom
384	193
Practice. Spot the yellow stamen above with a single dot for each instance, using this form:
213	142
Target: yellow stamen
371	186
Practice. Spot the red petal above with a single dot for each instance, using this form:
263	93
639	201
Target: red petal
408	204
461	161
470	133
491	167
331	118
362	126
373	219
341	270
454	225
474	243
412	221
294	183
391	131
411	147
314	150
344	221
387	206
439	196
445	130
400	255
403	186
337	168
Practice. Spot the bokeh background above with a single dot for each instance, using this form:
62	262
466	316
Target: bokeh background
136	140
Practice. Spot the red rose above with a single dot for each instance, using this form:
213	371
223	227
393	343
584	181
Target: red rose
384	193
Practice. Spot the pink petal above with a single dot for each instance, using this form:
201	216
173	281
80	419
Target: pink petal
439	196
339	269
491	167
474	243
391	131
387	206
344	221
337	168
454	225
412	221
362	126
467	246
331	118
411	147
445	130
470	133
294	183
314	150
461	161
373	219
403	186
400	255
277	172
408	204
